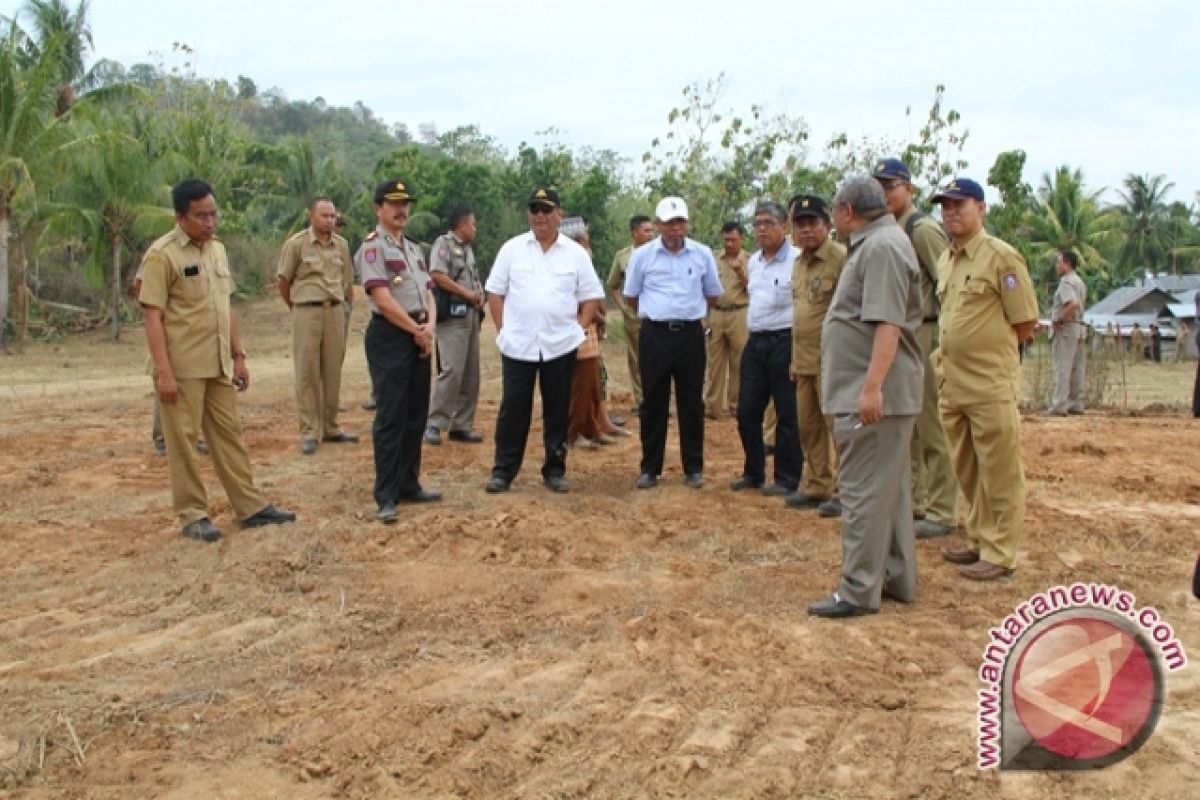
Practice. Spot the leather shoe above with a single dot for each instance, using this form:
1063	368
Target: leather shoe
201	447
984	571
202	530
308	446
745	482
802	501
432	435
421	496
496	484
830	508
341	437
776	490
929	529
886	595
387	514
468	437
160	448
557	483
646	481
268	516
957	554
694	480
836	608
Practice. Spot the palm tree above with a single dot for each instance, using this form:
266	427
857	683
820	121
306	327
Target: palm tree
1066	216
1147	220
67	35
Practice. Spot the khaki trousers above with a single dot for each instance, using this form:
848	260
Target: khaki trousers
318	349
632	328
456	395
985	440
725	346
816	432
935	489
209	405
1070	366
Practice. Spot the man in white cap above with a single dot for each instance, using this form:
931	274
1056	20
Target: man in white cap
672	282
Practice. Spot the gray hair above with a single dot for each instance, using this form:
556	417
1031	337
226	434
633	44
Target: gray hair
774	209
864	194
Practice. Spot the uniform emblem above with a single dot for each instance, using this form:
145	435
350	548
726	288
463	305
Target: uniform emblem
541	194
804	204
1010	281
371	235
370	256
397	280
442	251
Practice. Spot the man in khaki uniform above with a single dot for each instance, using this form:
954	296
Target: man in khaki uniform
315	279
988	305
1069	345
641	230
814	279
456	395
935	489
198	361
727	326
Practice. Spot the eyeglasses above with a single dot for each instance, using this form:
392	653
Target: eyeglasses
889	185
540	210
760	224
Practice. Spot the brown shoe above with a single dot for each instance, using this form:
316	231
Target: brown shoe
984	571
956	554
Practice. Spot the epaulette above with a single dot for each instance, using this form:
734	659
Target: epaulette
371	236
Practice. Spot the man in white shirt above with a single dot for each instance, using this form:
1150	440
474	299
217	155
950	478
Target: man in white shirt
542	293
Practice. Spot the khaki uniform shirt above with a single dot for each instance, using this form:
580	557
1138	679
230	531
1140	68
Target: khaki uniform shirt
929	240
191	285
616	282
881	283
984	290
1070	287
736	293
317	271
400	266
453	257
814	279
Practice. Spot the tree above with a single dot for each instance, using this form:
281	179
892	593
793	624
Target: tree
1065	216
1147	219
66	36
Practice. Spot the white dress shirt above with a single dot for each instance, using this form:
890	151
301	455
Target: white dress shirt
770	287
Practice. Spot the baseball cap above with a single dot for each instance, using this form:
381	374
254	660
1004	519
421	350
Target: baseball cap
890	168
959	189
543	197
670	208
809	205
393	190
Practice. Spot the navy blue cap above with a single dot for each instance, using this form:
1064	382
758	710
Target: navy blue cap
959	189
890	168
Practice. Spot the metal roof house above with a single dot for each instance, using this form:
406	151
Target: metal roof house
1163	300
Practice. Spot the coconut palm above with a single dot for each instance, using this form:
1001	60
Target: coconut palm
1065	215
66	36
1147	219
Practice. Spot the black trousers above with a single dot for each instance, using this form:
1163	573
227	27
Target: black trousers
672	351
516	412
766	362
401	379
1196	392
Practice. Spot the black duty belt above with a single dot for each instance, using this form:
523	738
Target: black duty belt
672	324
737	307
419	317
320	303
772	334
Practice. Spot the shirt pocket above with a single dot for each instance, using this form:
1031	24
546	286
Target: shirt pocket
193	283
563	280
224	279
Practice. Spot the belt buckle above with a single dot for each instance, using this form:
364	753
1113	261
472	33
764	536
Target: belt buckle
674	326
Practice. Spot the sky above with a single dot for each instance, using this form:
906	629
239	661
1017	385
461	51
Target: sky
1109	86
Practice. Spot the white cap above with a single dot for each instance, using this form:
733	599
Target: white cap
670	208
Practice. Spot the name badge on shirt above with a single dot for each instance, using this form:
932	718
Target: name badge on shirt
192	271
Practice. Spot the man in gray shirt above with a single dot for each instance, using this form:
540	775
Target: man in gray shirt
1070	333
872	378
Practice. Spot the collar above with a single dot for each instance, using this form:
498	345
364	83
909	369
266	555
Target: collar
784	254
821	253
531	238
870	228
387	237
314	239
971	247
657	244
454	238
183	240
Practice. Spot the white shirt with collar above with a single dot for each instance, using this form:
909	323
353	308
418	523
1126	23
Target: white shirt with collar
770	288
542	291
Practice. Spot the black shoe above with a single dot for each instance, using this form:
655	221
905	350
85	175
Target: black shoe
387	514
496	485
160	448
433	435
469	437
776	490
646	481
694	480
202	530
744	482
830	508
268	516
802	501
201	447
308	446
421	496
769	450
557	483
341	437
836	608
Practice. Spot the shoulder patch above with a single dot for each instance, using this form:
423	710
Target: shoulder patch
1010	281
371	236
370	255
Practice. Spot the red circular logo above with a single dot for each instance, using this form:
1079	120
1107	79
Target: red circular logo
1085	687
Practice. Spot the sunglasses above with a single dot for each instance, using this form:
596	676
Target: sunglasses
541	210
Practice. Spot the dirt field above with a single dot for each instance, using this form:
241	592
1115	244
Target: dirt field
607	643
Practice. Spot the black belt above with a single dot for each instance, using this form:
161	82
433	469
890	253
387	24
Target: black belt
929	319
320	303
772	334
732	308
419	317
672	324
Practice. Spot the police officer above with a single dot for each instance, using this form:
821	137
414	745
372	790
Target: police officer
988	305
935	489
452	264
728	333
1067	348
315	279
399	343
641	230
199	364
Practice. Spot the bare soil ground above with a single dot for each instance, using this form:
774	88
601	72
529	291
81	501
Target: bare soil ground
607	643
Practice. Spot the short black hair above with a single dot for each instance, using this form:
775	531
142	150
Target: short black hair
312	204
730	227
458	214
637	221
188	191
1070	257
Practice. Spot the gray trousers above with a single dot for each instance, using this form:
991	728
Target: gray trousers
1069	354
456	395
875	484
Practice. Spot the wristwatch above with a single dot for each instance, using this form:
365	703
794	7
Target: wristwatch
239	354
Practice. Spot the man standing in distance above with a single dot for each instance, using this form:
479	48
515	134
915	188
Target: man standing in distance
727	326
935	489
672	283
988	306
641	230
452	263
543	293
1068	347
199	364
315	278
767	359
871	375
399	342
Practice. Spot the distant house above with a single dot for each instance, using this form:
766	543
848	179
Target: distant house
1164	300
